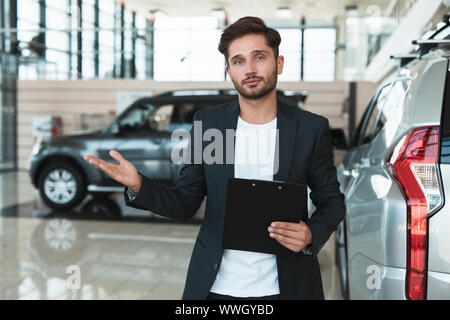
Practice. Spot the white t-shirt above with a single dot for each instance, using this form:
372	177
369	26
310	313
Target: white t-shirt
245	273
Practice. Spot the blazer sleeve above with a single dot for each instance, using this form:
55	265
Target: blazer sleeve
325	190
179	202
130	194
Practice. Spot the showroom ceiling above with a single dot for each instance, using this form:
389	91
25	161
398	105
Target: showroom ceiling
262	8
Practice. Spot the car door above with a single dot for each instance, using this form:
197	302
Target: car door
182	118
349	167
347	171
141	139
344	168
370	122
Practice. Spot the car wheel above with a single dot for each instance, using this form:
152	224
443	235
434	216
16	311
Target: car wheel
61	186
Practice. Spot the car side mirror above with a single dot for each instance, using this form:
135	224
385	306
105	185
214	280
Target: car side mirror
115	128
338	139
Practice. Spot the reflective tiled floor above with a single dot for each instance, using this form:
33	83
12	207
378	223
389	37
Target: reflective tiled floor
118	252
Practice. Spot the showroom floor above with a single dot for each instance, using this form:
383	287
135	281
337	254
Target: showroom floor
100	250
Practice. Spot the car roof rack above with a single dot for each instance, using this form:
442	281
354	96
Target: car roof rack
426	45
404	59
445	23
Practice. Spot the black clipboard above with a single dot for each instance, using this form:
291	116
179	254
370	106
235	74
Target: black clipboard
251	205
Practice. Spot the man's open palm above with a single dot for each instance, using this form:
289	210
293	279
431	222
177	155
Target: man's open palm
124	172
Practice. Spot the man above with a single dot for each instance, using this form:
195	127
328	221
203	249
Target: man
303	154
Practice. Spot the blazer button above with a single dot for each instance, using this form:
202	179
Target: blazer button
216	265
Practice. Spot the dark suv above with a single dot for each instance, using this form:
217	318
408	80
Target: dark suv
142	134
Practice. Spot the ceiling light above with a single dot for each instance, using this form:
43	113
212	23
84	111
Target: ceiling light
284	12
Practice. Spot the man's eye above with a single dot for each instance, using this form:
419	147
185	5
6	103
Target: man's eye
237	61
260	58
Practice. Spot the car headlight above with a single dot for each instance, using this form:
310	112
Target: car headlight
38	145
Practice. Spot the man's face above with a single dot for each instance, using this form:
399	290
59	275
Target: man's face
252	66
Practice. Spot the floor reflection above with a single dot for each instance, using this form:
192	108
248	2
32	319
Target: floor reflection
126	260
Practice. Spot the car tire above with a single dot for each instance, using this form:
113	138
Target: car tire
344	283
61	185
342	262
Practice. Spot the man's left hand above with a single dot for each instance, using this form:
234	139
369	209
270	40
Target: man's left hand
294	236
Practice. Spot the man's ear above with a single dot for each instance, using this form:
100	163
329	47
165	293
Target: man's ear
280	64
227	69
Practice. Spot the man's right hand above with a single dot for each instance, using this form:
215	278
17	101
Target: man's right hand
124	172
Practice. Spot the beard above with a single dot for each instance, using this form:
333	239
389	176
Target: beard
268	85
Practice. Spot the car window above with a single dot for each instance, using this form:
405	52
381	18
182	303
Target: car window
160	120
183	114
393	110
396	96
147	117
136	119
374	120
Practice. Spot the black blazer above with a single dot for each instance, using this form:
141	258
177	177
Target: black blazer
305	156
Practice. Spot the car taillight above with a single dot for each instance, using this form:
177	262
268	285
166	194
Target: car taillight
414	164
54	131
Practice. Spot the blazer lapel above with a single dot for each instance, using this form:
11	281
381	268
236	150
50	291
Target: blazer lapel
230	122
286	128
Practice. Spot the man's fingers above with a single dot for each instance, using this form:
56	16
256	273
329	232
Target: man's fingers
285	232
89	157
286	225
108	169
102	165
95	161
117	156
92	160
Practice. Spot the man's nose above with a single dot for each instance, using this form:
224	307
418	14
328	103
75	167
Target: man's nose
251	68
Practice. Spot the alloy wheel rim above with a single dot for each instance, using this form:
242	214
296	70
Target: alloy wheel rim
60	186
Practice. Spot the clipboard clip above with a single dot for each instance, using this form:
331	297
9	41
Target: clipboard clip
279	187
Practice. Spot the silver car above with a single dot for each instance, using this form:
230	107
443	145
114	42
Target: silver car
394	242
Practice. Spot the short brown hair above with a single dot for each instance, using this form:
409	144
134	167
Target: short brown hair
245	26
